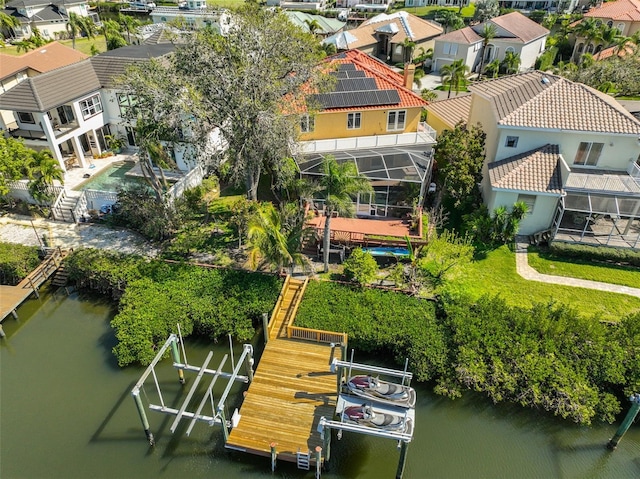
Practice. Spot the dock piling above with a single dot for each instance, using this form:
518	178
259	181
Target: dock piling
273	456
250	361
176	359
265	326
14	314
143	417
403	459
318	461
326	442
628	420
2	333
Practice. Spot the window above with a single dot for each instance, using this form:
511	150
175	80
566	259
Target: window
512	141
125	102
307	123
91	106
353	121
26	117
450	48
529	200
65	113
395	120
620	27
588	153
510	49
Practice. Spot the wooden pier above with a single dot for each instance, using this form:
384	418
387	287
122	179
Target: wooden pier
13	296
292	387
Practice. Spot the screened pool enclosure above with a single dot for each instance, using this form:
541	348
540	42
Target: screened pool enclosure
399	176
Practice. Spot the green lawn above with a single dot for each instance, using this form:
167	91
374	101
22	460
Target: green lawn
82	45
495	274
547	263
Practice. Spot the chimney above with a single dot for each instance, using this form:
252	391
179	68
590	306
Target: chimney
409	71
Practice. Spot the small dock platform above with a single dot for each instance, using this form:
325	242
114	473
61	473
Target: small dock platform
292	388
13	296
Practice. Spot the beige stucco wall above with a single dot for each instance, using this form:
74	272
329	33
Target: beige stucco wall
617	153
482	112
541	217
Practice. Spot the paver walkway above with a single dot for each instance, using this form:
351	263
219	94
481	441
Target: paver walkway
24	230
527	272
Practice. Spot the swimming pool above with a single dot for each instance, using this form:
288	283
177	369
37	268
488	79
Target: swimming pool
111	179
388	251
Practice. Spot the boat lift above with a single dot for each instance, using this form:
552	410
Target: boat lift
217	415
343	371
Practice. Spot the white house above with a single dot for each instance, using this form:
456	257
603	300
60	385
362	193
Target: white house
440	3
514	33
49	16
570	152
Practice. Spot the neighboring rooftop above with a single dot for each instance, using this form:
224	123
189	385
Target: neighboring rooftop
328	26
622	10
113	63
541	100
452	110
41	3
513	26
401	25
43	59
536	170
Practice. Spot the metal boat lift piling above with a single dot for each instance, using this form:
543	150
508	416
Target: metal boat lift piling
217	412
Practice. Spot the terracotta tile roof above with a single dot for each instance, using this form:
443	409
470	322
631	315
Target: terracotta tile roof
48	57
453	110
628	49
404	24
536	170
464	35
623	10
385	78
541	100
517	25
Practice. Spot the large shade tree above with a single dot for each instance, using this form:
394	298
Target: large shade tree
238	83
337	186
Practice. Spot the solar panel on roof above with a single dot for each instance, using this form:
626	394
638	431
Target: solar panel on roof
347	99
346	67
355	84
349	74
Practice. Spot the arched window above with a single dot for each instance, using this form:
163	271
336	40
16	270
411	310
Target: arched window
610	23
620	27
510	49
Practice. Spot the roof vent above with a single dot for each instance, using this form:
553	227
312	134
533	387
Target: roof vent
544	80
43	51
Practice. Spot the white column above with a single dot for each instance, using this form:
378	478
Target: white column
49	132
77	147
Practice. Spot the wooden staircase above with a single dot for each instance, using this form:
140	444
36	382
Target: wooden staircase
286	306
61	276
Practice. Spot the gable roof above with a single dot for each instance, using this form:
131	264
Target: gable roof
39	3
327	25
43	59
541	100
57	87
519	29
452	110
399	25
386	80
518	25
536	170
623	10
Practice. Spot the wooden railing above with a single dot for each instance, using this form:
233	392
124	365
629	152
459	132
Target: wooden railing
295	301
317	335
42	272
276	308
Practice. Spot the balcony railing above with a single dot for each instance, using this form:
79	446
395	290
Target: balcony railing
634	172
425	136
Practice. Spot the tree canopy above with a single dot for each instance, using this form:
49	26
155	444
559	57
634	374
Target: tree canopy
237	82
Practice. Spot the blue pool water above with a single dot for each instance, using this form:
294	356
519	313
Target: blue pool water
110	179
387	251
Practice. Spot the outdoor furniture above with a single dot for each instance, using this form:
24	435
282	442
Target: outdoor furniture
333	249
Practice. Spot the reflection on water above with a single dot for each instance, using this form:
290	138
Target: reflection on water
66	412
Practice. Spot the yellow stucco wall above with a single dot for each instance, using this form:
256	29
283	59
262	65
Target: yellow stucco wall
437	123
373	122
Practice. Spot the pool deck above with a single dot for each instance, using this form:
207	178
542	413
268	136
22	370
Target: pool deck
75	176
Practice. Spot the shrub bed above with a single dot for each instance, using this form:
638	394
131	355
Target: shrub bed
597	253
16	262
155	296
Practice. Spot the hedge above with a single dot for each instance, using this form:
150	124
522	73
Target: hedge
597	253
16	262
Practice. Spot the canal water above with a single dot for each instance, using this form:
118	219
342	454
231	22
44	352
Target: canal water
66	412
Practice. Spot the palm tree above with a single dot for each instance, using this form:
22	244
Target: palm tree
129	24
313	26
43	169
450	19
7	22
338	183
511	62
428	95
109	28
587	29
488	33
276	237
407	50
493	68
454	74
73	27
25	45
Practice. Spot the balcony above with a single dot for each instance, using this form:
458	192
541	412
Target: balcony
605	182
424	136
16	132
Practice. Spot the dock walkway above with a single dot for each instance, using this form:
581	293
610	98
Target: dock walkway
12	296
292	388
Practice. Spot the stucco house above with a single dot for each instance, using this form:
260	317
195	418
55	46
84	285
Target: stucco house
514	33
371	118
570	152
384	36
49	16
621	14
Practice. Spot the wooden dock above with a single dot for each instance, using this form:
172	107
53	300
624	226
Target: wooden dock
12	296
292	387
